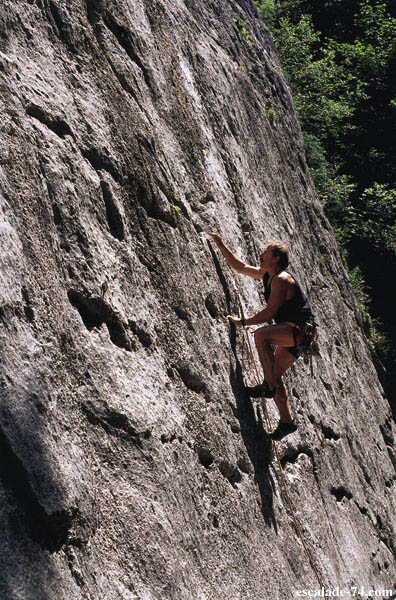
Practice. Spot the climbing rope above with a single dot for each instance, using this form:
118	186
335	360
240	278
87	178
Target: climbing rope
255	369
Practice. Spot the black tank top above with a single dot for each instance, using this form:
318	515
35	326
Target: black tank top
296	310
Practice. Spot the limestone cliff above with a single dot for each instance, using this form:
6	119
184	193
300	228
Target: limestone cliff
133	466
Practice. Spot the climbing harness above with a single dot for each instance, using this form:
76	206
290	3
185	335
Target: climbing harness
306	342
309	337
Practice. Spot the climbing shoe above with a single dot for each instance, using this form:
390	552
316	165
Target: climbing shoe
282	430
257	391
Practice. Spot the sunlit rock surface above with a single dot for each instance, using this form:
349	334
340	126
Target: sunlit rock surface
133	466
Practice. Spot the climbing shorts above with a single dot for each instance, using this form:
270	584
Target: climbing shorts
295	350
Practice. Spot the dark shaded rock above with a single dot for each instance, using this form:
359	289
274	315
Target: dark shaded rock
113	213
94	311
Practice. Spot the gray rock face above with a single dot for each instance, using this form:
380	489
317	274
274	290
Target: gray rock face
133	466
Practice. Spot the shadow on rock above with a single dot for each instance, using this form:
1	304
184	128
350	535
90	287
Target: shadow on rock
258	444
48	529
36	518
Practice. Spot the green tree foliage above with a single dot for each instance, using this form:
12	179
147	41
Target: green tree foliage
267	10
325	93
376	220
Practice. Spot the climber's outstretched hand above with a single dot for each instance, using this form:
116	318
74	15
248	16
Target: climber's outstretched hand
236	320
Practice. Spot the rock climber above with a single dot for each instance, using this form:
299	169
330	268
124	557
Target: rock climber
289	307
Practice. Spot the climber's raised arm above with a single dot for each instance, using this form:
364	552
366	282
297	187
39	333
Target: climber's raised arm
235	263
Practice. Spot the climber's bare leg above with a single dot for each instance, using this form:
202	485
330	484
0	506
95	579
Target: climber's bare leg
283	359
277	335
